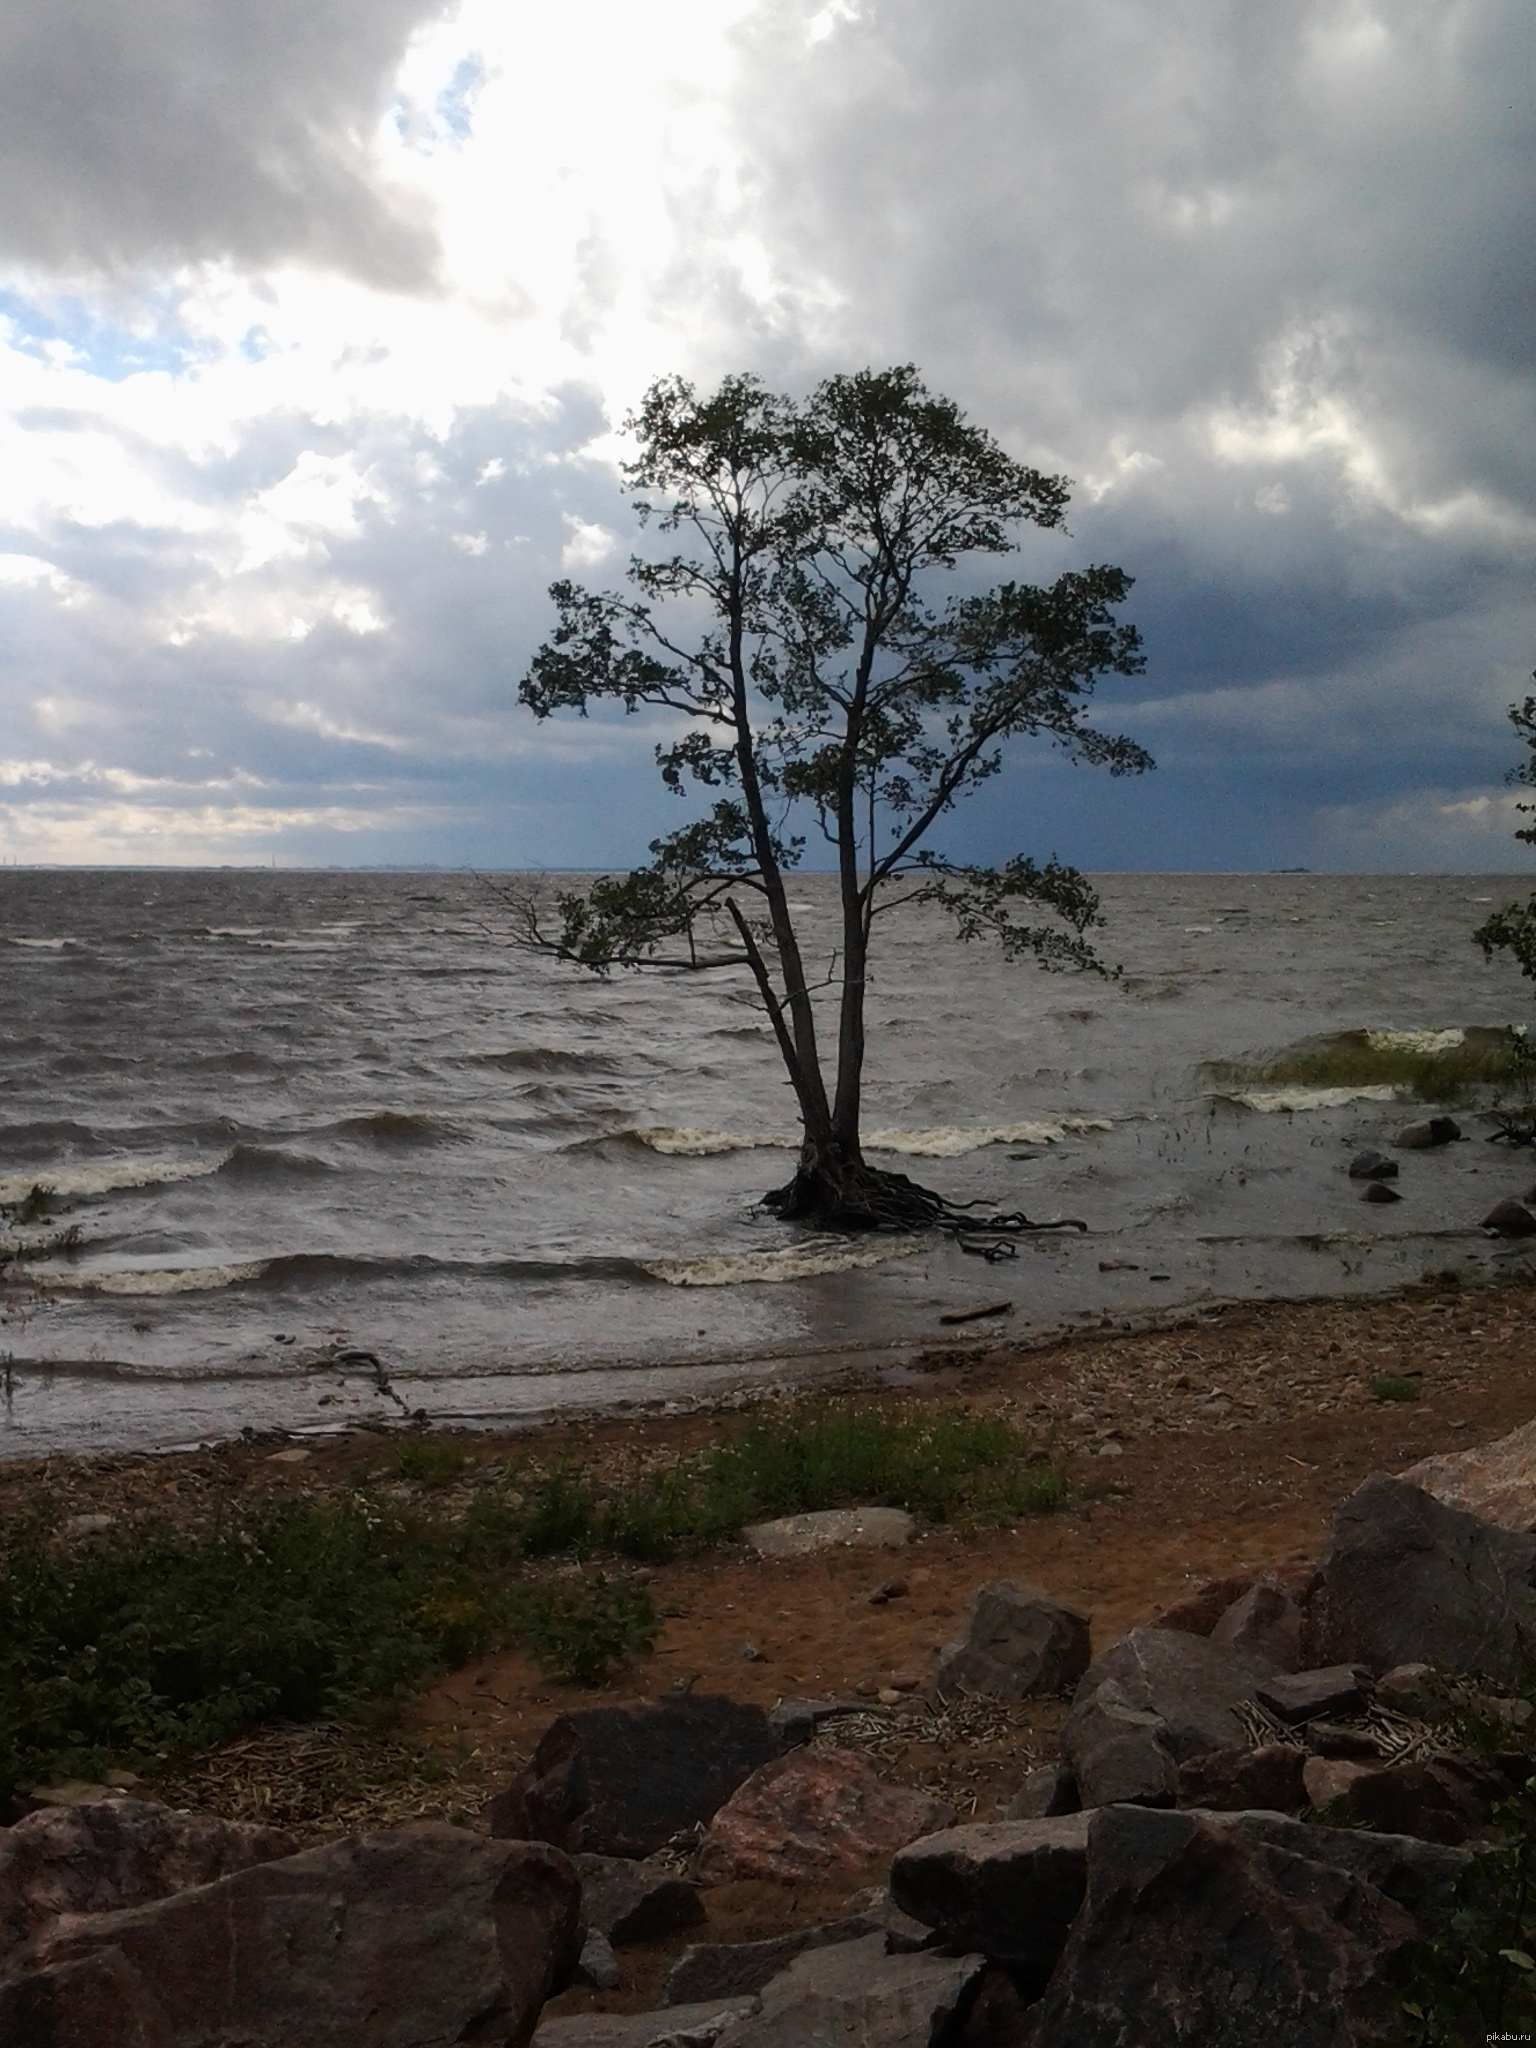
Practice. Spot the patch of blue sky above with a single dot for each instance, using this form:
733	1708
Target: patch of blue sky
103	348
453	111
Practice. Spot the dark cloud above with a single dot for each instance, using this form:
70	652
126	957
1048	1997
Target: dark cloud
141	132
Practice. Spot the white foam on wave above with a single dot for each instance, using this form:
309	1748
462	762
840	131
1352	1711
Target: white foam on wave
680	1142
1270	1099
949	1141
44	945
790	1262
942	1141
155	1280
1415	1041
104	1177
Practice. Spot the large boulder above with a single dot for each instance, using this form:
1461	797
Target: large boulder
1017	1641
622	1781
1010	1889
1496	1482
1404	1579
1238	1931
857	1994
1147	1705
420	1935
810	1815
116	1853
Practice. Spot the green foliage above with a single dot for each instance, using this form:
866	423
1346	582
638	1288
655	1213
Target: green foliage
1364	1059
579	1632
1476	1979
1512	929
430	1461
1393	1386
147	1641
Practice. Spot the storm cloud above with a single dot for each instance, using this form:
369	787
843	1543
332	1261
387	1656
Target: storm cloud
280	496
141	132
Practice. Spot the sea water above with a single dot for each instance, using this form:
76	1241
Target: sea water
332	1147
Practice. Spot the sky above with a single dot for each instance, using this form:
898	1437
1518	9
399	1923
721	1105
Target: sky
319	321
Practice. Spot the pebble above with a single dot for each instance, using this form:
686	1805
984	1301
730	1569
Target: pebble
749	1653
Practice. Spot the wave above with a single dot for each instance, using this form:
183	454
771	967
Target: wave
943	1141
790	1262
680	1142
1415	1041
949	1141
399	1127
105	1177
141	1280
270	1162
45	945
544	1059
1268	1100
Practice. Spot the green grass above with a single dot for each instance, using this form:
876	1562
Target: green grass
430	1461
148	1642
1356	1059
1393	1386
973	1467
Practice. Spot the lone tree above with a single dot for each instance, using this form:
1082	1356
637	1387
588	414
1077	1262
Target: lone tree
822	676
1513	928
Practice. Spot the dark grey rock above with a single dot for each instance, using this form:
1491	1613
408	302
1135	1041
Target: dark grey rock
629	1901
1044	1794
597	1964
1372	1165
680	2026
1296	1696
856	1996
1148	1704
1007	1888
621	1781
1411	1690
1378	1191
1239	1780
1447	1799
1117	1752
1265	1623
1236	1931
734	1969
1404	1579
1510	1219
796	1721
415	1935
1424	1137
1017	1641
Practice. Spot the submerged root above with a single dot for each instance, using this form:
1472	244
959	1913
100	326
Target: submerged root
860	1197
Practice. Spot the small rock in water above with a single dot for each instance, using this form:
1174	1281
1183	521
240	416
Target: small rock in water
1372	1165
1378	1191
1510	1219
1436	1130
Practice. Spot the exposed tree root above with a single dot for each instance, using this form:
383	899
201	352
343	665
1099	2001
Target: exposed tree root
850	1195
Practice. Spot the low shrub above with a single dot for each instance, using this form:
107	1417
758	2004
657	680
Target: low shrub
1393	1386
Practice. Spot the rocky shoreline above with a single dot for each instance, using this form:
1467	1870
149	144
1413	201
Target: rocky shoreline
1239	1810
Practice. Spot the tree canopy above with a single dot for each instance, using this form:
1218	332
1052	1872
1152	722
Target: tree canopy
810	620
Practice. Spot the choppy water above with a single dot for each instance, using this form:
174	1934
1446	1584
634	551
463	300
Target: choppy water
301	1116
